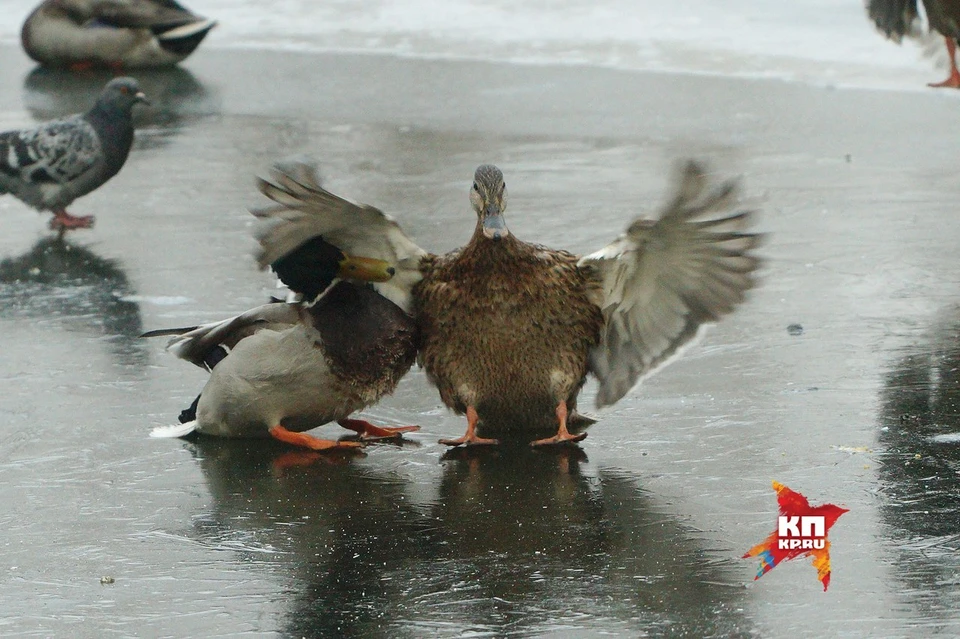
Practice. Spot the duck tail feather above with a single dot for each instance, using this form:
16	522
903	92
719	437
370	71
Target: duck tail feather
177	430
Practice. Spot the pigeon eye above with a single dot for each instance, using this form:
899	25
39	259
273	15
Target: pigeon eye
124	90
476	188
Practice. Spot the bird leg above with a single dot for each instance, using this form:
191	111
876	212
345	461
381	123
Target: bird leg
470	437
563	436
368	431
953	81
309	441
63	220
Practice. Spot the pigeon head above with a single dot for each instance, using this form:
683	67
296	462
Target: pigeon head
122	94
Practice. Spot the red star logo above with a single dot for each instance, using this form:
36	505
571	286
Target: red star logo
801	531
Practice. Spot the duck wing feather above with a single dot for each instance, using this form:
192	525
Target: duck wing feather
659	282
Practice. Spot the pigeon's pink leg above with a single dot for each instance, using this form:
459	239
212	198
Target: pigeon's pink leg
63	220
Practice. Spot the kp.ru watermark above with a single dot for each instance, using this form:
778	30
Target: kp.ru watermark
801	530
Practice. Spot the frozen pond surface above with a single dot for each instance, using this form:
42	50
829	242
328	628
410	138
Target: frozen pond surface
642	533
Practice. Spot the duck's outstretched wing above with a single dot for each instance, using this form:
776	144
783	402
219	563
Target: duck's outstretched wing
894	18
305	210
660	281
207	344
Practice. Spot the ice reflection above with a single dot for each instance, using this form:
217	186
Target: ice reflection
920	471
509	543
57	279
176	99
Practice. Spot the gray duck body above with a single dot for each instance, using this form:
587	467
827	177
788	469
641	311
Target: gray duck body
321	364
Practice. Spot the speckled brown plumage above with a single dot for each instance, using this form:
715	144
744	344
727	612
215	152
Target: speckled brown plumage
514	372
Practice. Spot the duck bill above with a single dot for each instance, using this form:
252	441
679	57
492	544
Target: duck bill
367	269
141	97
494	226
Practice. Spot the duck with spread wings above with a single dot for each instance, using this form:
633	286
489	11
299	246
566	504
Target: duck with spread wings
509	330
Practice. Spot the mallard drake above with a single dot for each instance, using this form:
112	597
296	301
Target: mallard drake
112	33
896	19
51	165
283	368
509	330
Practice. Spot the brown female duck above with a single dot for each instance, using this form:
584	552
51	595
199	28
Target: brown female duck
123	34
510	329
896	19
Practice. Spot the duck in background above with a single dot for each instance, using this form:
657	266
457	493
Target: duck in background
120	34
899	18
51	165
284	368
509	329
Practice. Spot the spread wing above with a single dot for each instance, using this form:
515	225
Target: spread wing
661	281
305	210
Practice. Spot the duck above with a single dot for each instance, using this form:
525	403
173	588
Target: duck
509	330
283	368
126	34
897	18
50	165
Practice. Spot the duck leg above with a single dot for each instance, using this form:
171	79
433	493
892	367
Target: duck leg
563	435
470	437
953	81
309	441
368	431
64	221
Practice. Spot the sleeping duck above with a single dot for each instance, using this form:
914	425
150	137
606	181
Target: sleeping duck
283	368
509	330
897	18
123	34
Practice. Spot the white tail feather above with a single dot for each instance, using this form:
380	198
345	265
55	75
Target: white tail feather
177	430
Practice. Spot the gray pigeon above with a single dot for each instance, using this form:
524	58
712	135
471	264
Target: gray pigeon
50	166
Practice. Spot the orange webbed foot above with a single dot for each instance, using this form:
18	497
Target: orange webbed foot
563	436
369	432
470	437
309	441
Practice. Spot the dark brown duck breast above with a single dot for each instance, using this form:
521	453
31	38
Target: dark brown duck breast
368	341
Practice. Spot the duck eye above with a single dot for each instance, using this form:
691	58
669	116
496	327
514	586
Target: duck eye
476	188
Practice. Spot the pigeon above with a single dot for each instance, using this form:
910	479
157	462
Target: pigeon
51	165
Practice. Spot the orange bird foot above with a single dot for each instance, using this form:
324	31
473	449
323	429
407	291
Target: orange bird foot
63	221
470	439
369	432
309	441
953	82
559	438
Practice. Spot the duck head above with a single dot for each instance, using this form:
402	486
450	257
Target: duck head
312	267
489	199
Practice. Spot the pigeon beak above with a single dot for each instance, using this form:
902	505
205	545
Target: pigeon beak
365	268
140	96
494	226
